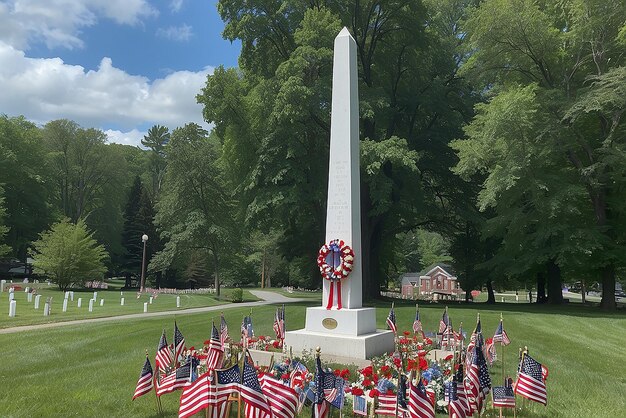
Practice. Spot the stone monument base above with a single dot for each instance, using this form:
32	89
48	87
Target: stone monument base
341	334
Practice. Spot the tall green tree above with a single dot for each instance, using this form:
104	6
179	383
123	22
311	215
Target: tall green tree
273	117
547	52
4	249
26	181
196	210
69	255
156	140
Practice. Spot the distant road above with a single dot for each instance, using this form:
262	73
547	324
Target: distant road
268	299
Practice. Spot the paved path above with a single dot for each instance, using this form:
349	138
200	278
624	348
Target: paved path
268	299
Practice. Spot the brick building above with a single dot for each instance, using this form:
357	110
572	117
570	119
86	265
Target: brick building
436	282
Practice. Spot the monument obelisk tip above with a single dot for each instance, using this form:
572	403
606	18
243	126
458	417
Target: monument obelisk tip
344	32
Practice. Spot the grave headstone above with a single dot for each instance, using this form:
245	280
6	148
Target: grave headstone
150	300
95	295
122	302
65	305
29	297
145	307
101	302
2	284
72	296
46	309
12	308
67	295
37	301
90	305
80	302
178	301
121	293
11	296
27	290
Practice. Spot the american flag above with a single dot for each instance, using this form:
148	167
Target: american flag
403	408
257	405
460	391
276	325
500	335
177	379
456	407
320	404
444	322
163	354
223	330
282	323
145	382
216	351
492	356
359	405
417	324
391	320
387	406
246	330
503	397
195	397
298	375
228	382
282	399
531	382
420	405
179	344
477	382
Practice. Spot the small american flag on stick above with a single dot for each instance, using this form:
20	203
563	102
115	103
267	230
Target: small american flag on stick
145	382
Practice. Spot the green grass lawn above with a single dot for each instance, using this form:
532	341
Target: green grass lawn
91	370
28	315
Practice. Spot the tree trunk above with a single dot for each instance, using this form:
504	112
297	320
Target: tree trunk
583	291
555	290
263	270
468	295
217	273
491	297
608	288
541	287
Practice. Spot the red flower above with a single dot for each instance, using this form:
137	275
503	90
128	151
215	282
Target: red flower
423	364
357	391
373	393
375	378
397	362
446	372
449	357
207	342
407	333
403	340
261	337
489	341
411	364
384	369
456	367
367	382
428	341
368	371
192	348
276	344
345	374
337	372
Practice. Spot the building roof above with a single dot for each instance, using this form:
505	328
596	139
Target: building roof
445	267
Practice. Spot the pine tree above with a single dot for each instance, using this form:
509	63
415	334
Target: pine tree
131	234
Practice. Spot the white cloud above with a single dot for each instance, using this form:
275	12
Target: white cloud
175	33
176	5
132	137
58	23
47	89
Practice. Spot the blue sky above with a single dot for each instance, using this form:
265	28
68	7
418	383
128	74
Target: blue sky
118	65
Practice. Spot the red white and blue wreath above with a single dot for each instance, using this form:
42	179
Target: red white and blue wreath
335	261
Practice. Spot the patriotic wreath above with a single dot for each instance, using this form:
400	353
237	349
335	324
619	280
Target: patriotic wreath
328	252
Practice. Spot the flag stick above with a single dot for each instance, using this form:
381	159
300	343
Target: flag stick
156	398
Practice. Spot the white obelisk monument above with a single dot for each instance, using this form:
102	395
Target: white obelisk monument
349	332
